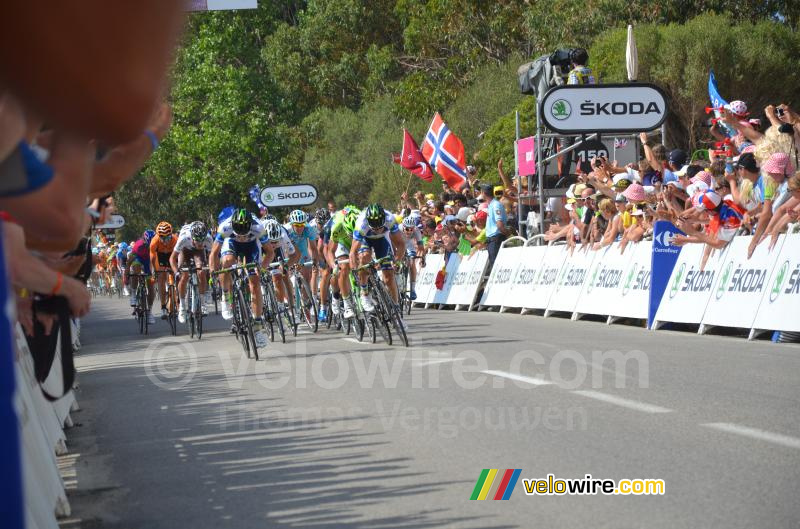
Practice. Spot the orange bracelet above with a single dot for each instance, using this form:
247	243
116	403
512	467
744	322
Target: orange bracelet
59	282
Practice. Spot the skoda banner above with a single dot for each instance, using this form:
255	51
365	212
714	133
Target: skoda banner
293	195
665	255
611	108
781	302
220	5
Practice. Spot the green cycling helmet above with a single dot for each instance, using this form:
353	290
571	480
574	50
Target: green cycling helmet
349	220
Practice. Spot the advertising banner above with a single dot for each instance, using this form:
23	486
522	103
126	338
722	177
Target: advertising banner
293	195
780	306
503	271
220	5
570	281
451	271
530	265
740	284
426	278
690	285
468	279
546	278
664	256
526	156
602	290
634	298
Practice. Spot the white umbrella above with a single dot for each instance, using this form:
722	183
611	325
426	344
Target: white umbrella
632	56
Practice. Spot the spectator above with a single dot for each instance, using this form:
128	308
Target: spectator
495	222
580	73
774	190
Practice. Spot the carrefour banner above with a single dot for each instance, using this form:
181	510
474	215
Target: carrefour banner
740	284
664	256
780	306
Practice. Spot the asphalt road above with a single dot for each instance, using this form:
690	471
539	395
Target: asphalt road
327	432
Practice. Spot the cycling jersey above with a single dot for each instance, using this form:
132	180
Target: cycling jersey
581	75
256	233
364	231
302	239
141	254
185	242
284	248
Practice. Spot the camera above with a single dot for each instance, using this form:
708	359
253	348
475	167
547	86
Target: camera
779	112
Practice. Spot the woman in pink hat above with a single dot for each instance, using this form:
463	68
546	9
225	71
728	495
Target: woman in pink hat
773	190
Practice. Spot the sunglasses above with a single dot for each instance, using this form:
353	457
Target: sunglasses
405	228
298	224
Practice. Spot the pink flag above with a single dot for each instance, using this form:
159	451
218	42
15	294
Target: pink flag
526	156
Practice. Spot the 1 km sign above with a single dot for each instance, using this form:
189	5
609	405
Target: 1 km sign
576	109
294	195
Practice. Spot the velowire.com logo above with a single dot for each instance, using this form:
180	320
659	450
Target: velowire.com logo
496	484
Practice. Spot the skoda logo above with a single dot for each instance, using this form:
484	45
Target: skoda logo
627	286
268	197
723	281
561	109
677	282
777	286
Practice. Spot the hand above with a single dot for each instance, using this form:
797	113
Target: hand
752	248
25	313
770	112
793	214
643	137
161	121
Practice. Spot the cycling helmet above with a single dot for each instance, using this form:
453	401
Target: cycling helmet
298	216
270	216
737	107
123	246
323	216
164	229
198	230
350	216
376	216
273	229
241	222
410	222
148	235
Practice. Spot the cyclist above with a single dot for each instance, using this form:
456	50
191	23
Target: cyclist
122	266
323	223
343	226
242	236
111	267
376	233
194	242
414	246
160	249
304	238
284	252
139	262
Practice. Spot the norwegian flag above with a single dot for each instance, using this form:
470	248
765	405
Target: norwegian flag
412	159
445	153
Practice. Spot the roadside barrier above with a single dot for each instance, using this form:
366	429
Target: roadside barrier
42	438
719	288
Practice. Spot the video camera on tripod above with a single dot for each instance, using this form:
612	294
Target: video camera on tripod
538	76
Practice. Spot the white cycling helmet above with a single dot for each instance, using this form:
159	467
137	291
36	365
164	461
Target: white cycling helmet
298	216
410	222
273	230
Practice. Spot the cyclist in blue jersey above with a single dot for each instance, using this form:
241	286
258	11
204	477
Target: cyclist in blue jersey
122	265
376	232
304	238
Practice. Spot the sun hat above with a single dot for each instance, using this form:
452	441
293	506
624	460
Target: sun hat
737	107
463	214
620	199
706	200
778	163
703	176
620	182
634	193
678	184
430	196
481	215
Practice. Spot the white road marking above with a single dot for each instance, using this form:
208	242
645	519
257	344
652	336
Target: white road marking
423	363
518	378
755	433
619	401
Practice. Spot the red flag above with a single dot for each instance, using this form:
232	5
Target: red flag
441	277
445	153
412	159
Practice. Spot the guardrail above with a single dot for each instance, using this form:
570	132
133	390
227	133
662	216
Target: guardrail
724	288
42	438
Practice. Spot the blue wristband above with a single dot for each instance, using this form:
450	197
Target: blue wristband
153	139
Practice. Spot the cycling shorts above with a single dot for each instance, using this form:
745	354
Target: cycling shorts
145	263
250	251
380	248
197	254
163	259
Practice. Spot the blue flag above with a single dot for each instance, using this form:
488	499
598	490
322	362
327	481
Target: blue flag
665	255
717	102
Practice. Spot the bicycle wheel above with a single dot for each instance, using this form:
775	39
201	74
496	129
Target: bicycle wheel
308	305
239	323
382	309
249	334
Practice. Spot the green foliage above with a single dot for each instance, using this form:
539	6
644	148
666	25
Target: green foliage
319	90
749	61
